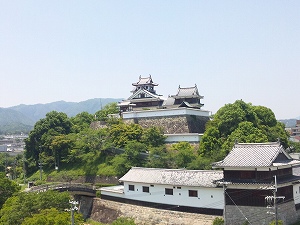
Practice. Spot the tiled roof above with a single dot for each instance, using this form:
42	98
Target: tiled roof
187	92
144	81
256	155
178	177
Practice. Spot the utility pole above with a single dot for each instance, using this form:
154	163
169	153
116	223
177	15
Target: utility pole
224	184
40	165
224	211
72	209
24	169
273	200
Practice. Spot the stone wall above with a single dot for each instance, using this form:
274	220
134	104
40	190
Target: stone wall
174	124
106	211
261	215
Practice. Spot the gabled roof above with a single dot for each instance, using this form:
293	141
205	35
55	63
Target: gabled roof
184	92
147	93
176	177
145	81
256	155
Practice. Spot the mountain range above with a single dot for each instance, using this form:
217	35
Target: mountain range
21	118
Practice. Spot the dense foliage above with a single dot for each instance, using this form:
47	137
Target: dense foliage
62	142
24	205
7	188
52	216
241	122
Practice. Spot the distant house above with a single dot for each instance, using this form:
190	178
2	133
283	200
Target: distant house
175	189
295	131
250	171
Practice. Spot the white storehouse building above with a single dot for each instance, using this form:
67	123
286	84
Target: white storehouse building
175	189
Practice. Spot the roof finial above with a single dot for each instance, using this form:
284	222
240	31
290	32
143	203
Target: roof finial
278	140
236	141
140	76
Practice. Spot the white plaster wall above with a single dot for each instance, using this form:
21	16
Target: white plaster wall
207	197
188	137
164	112
296	190
110	193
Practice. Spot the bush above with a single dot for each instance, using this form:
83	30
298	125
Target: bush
218	221
280	222
98	194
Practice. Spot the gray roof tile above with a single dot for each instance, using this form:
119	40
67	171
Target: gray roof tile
176	177
256	155
187	92
144	81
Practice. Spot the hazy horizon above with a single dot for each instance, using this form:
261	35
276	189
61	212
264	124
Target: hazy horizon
79	50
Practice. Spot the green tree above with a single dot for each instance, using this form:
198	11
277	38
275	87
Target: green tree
245	133
130	158
23	205
240	122
40	138
183	154
201	163
153	137
121	134
52	216
295	146
159	157
81	121
7	188
102	114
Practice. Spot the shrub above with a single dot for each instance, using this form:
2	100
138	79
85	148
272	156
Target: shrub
218	221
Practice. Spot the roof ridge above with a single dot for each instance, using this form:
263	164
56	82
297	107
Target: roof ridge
180	169
262	143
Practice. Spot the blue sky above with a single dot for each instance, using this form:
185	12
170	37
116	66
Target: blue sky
77	50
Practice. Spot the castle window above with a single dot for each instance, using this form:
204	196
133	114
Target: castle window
145	189
168	191
131	187
193	193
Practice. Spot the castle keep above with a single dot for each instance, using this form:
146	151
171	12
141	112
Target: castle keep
180	115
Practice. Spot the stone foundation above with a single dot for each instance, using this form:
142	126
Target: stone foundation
261	215
106	211
174	124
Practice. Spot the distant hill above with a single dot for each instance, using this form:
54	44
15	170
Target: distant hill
21	118
289	122
12	121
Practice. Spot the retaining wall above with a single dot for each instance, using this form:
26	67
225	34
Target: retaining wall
261	215
106	211
174	124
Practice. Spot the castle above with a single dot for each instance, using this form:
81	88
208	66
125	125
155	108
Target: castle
180	115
